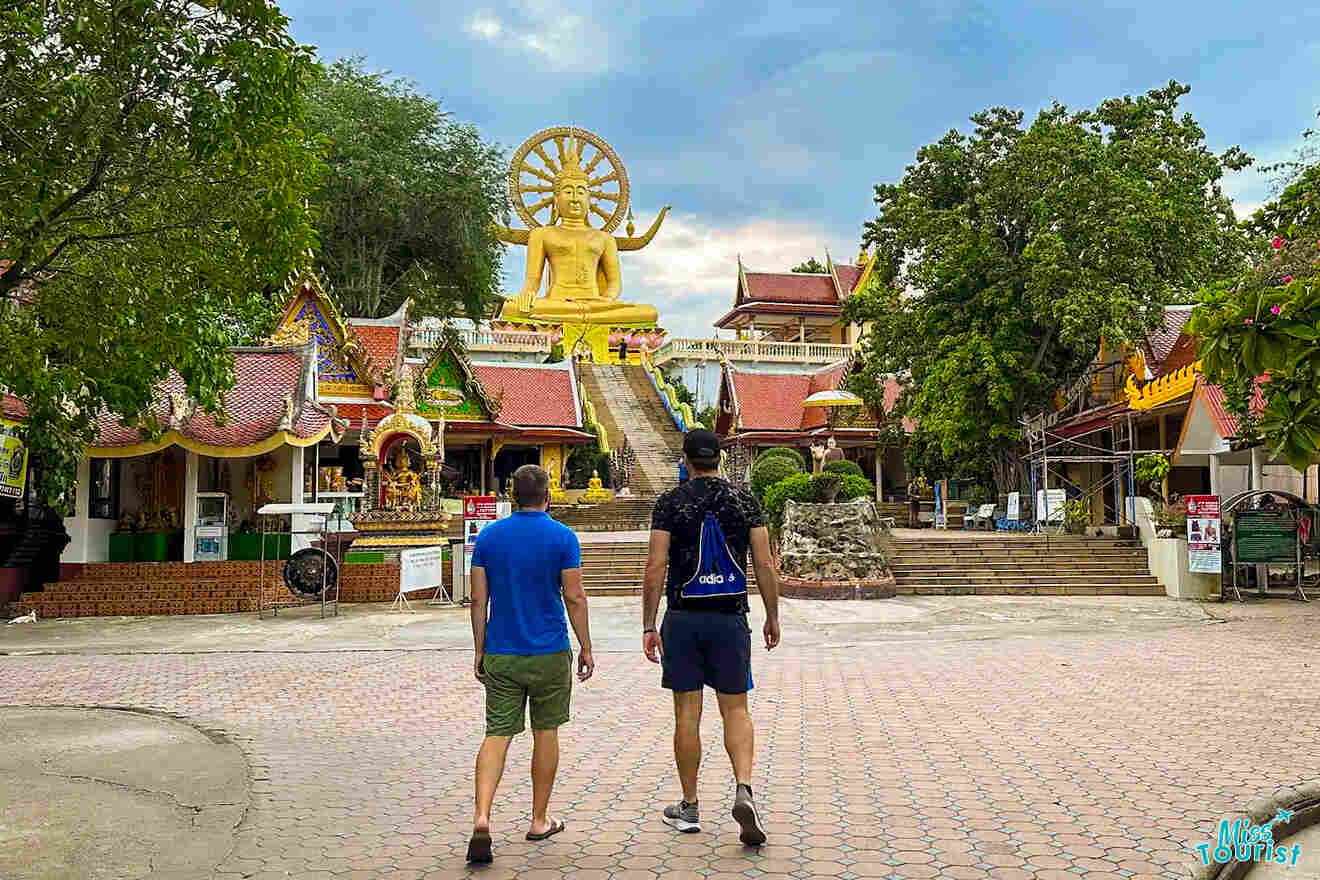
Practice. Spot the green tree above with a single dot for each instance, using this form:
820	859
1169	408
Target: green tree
409	204
812	265
153	178
1006	255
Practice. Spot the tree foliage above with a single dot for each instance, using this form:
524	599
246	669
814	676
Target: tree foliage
1264	323
811	265
153	178
1004	256
409	202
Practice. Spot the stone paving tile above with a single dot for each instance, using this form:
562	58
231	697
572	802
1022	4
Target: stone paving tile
1073	756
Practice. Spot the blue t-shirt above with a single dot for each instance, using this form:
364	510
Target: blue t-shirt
523	556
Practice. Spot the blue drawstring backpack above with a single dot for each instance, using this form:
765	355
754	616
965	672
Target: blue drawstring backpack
717	573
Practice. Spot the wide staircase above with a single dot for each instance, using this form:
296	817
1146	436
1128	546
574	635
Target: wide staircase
628	407
620	515
1018	565
616	568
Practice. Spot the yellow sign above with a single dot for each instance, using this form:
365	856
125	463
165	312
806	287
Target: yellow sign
13	461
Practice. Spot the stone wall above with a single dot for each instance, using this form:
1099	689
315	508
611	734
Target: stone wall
833	543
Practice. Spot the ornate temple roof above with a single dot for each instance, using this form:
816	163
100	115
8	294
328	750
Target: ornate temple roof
270	405
806	294
772	402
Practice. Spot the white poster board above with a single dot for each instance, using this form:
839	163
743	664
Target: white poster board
1049	505
421	568
1014	507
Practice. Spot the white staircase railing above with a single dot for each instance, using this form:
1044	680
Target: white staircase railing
751	350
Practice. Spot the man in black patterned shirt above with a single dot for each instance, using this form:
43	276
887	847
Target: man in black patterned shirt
705	639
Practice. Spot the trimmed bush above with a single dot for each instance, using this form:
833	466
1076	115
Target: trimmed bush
784	451
843	468
856	487
796	487
827	487
768	471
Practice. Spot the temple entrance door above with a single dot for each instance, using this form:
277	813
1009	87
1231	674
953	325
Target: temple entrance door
509	459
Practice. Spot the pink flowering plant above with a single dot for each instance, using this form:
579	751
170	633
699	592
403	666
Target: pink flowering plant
1265	324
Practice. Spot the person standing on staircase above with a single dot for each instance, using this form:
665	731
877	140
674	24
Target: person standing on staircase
701	532
682	471
526	569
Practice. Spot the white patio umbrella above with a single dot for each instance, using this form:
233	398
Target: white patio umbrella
832	397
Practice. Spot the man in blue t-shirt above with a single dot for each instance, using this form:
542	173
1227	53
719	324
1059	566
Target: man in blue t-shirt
526	570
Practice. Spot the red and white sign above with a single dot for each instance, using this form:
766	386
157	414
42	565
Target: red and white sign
1204	531
479	511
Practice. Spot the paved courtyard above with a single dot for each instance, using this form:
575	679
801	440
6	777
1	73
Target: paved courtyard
958	737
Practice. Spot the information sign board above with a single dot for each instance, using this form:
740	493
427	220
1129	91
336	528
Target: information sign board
1264	536
1204	530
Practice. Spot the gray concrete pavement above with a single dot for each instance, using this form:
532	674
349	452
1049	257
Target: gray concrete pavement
100	794
375	627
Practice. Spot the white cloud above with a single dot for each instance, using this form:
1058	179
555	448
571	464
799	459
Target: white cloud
689	272
561	41
486	26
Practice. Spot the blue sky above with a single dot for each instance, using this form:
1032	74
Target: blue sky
765	125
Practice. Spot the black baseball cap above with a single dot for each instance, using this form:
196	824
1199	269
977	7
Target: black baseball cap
700	443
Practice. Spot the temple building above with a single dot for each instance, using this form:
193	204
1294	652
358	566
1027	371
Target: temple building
1148	398
783	321
291	430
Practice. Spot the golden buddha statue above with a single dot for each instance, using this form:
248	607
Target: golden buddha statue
584	284
596	492
403	488
557	493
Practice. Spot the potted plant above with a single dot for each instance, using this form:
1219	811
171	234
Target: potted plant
1076	516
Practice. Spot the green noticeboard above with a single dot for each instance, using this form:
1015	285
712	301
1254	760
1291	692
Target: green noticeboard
1264	538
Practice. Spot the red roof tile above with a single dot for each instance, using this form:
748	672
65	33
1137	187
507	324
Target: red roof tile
1215	399
848	276
13	408
254	408
1159	344
773	401
542	396
381	343
376	412
789	287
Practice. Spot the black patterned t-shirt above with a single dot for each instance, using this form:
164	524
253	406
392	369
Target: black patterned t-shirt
681	511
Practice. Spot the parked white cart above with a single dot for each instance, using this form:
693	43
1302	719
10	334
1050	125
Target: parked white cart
311	574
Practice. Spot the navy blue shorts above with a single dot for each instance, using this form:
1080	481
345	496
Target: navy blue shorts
706	648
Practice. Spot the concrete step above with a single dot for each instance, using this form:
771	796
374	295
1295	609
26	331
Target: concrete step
1024	577
1106	589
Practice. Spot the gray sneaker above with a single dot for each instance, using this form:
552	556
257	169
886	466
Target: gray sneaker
744	813
684	817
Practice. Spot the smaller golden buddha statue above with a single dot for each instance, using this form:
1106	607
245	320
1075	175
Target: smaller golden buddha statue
596	492
557	493
403	488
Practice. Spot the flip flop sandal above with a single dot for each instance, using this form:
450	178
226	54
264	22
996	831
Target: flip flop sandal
555	827
479	848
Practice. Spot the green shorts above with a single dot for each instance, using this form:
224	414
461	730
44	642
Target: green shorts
514	680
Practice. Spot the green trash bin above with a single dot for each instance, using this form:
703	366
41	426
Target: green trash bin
123	547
